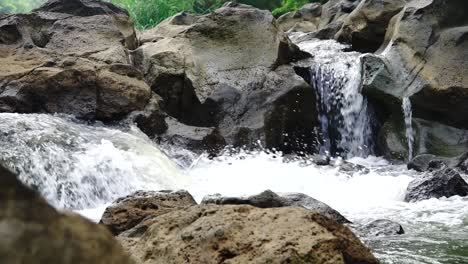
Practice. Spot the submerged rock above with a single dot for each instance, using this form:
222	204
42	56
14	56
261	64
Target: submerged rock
446	182
245	234
70	56
381	227
269	199
126	213
34	232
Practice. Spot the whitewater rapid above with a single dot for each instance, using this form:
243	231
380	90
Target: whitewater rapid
85	167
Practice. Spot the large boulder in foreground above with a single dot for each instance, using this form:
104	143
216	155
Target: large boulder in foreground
72	57
230	70
445	182
245	234
269	199
34	232
125	213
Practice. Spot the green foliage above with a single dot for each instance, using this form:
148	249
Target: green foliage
293	5
19	6
149	13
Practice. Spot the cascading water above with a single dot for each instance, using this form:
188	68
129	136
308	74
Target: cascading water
345	117
408	114
76	166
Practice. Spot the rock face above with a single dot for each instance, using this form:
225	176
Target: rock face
126	213
306	19
245	234
34	232
269	199
229	70
70	56
366	26
429	138
425	58
446	182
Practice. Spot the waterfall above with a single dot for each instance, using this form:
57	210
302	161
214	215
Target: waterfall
345	117
77	165
406	105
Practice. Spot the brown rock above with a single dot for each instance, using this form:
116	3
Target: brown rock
245	234
34	232
125	213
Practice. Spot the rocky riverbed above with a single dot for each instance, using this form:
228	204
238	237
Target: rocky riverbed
97	114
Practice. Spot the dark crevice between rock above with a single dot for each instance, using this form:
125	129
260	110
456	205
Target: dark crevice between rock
181	102
291	125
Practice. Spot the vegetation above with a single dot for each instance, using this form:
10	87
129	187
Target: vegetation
19	6
148	13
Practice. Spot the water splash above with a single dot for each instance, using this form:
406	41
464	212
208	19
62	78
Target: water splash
408	115
345	118
77	165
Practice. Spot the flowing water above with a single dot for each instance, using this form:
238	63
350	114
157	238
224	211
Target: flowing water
408	114
345	118
84	167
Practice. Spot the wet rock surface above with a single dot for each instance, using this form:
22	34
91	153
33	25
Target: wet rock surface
381	227
126	213
34	232
445	182
246	234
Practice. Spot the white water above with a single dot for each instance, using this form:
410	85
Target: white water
346	123
78	166
408	115
56	153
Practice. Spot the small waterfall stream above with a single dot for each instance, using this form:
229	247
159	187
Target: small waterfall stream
345	118
408	115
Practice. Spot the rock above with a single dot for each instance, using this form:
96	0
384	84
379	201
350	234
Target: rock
70	57
245	234
152	120
126	213
446	182
34	232
269	199
429	138
366	26
427	162
305	19
230	70
426	56
197	139
377	228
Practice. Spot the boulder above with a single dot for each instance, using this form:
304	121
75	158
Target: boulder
378	228
230	70
445	182
366	26
427	162
426	58
70	57
245	234
429	138
269	199
126	213
34	232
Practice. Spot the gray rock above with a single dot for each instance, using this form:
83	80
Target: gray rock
446	182
269	199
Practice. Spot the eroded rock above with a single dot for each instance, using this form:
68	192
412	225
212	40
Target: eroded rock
245	234
126	213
